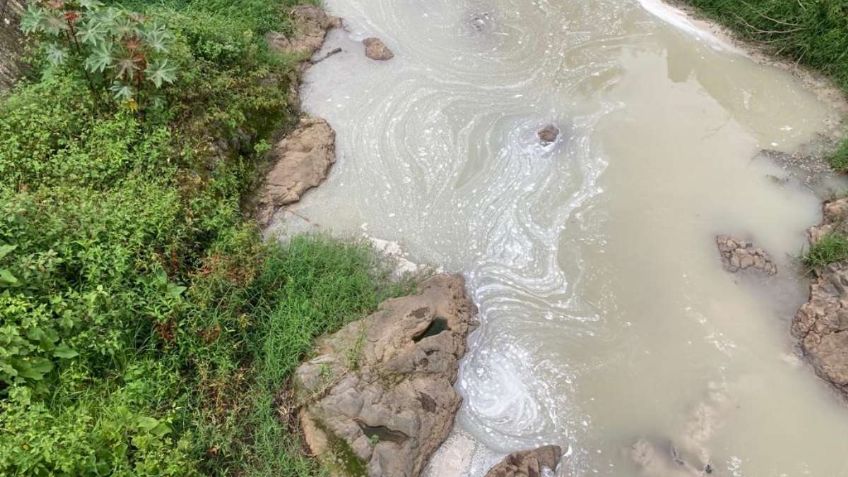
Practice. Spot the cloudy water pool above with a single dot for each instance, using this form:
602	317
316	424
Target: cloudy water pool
608	324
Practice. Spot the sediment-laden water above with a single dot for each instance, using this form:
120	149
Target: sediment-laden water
607	319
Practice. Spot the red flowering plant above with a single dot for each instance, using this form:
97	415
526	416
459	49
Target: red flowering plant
124	51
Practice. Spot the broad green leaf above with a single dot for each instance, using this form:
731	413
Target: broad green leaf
126	68
56	55
100	58
55	23
175	291
159	71
64	352
6	277
6	249
32	21
92	5
34	369
147	423
92	33
122	92
157	38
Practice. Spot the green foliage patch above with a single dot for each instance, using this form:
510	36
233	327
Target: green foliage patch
831	248
145	329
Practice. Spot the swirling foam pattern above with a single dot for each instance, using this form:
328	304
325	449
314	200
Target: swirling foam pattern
438	151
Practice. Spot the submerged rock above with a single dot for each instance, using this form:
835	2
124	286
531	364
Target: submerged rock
657	460
311	24
527	463
821	323
302	161
548	134
377	50
738	254
378	399
480	22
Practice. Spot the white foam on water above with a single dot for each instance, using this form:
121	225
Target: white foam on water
680	20
605	315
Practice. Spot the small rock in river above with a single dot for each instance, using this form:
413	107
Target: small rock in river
480	22
377	50
739	254
548	134
528	462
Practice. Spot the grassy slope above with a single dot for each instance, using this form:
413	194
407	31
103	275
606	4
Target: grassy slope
810	32
144	327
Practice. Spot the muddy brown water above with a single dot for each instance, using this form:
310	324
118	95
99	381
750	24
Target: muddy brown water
608	324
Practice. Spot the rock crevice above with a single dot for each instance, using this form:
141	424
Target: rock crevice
378	398
821	324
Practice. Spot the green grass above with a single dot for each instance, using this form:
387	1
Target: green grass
831	248
145	329
839	159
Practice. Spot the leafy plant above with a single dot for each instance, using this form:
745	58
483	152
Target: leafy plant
123	51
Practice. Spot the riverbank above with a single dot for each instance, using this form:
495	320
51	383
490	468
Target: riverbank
146	327
815	36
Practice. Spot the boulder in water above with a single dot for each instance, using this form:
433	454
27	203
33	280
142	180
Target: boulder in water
657	461
527	463
548	134
377	50
378	398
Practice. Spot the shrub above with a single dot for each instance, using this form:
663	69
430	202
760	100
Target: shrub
112	47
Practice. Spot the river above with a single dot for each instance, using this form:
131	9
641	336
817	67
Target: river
607	319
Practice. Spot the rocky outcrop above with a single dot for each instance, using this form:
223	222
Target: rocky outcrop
548	134
310	27
311	24
835	220
11	41
738	254
377	50
378	399
528	463
301	161
821	324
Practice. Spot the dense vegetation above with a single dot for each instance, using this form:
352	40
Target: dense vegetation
810	32
145	329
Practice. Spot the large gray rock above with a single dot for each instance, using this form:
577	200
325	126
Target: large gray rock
378	399
738	254
527	463
11	42
821	324
302	161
